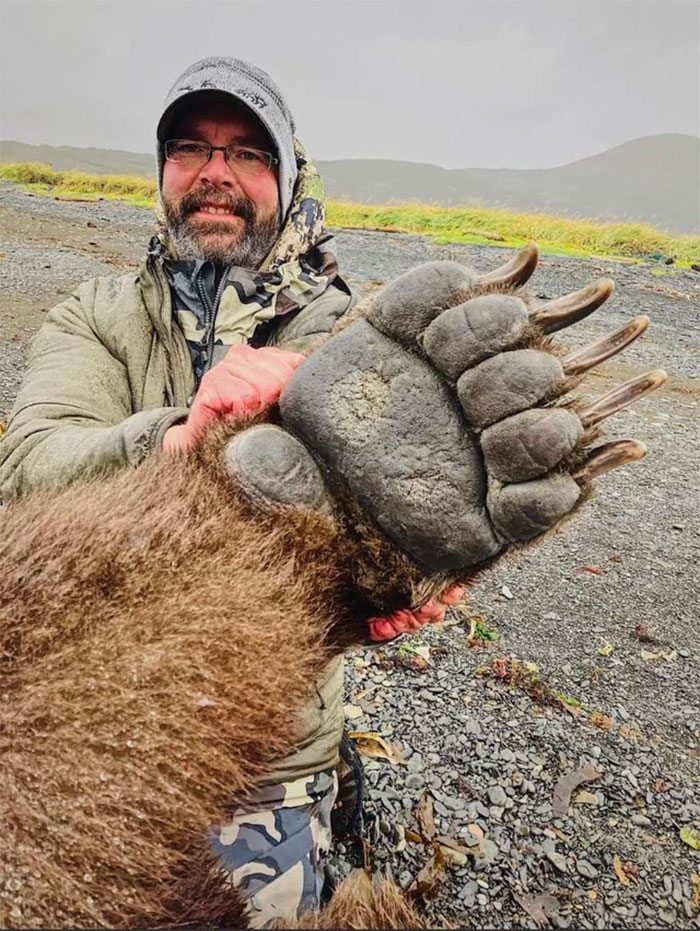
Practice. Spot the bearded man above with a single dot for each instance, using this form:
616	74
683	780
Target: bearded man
238	286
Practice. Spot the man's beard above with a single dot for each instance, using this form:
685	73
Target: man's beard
193	239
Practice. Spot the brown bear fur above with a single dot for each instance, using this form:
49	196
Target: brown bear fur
156	637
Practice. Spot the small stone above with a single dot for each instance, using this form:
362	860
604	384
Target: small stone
414	781
586	869
668	918
641	821
497	796
468	893
557	860
415	763
405	879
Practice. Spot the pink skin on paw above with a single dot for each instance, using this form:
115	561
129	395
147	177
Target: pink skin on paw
403	621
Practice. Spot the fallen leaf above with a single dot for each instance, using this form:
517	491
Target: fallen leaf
643	633
629	733
601	721
668	655
566	785
586	798
452	851
413	837
411	658
539	907
592	895
695	902
605	649
430	877
372	744
625	872
425	817
352	712
365	692
690	835
592	570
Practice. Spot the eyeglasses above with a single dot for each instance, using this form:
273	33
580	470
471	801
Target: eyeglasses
193	154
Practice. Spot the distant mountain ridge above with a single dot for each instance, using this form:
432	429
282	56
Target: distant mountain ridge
654	179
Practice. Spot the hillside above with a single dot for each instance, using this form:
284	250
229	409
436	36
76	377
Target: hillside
655	179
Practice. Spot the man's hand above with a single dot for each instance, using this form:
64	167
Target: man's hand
245	383
401	622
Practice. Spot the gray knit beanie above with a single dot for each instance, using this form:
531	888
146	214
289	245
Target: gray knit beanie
254	88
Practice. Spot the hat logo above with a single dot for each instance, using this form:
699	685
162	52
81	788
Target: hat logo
253	98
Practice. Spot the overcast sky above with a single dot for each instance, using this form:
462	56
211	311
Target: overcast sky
517	84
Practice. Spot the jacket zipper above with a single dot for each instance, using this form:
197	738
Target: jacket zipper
211	312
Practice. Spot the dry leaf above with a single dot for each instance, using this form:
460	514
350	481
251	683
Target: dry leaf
372	744
453	852
668	655
352	712
427	881
413	837
424	651
592	895
365	692
624	871
592	570
629	733
605	649
695	882
425	817
601	721
690	835
566	785
539	907
586	798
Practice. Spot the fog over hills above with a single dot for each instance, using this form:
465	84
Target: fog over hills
655	179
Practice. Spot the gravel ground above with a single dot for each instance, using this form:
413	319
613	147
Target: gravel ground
481	740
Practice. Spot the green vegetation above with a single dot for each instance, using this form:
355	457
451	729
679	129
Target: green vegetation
475	225
41	179
482	225
484	632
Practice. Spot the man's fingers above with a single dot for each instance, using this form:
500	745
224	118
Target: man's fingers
225	394
267	369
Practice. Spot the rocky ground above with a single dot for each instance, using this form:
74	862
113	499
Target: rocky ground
535	758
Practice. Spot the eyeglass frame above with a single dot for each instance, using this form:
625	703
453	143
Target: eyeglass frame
220	148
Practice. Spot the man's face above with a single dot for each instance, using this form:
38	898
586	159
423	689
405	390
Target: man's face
249	228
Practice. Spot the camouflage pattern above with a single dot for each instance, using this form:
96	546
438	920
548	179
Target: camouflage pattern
234	304
274	847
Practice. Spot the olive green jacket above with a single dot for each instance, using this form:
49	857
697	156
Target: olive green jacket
108	373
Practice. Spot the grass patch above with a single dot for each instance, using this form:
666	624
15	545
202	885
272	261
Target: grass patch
629	242
480	632
486	226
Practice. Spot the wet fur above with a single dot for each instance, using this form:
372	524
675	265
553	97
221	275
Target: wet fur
156	637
